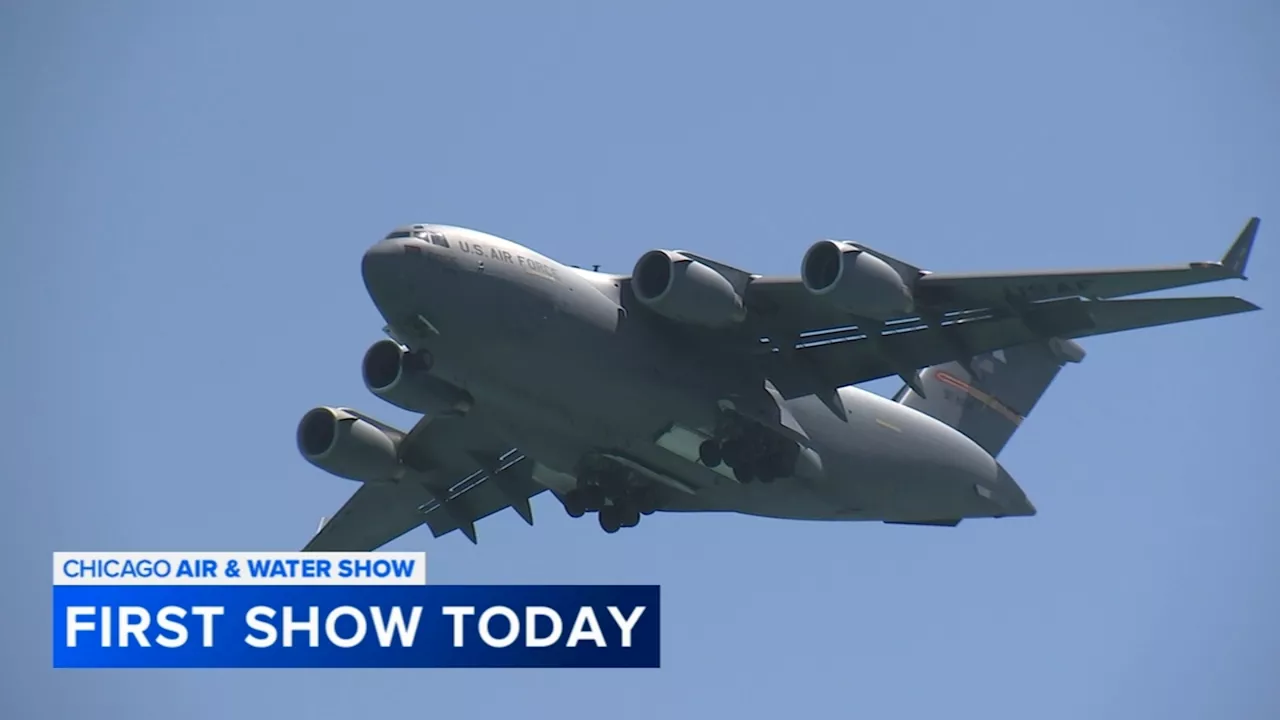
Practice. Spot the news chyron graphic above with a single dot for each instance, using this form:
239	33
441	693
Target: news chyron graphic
335	610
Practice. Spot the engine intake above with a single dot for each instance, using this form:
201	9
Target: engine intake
683	289
393	374
382	367
344	444
855	281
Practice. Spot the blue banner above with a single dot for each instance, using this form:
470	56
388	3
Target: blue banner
425	626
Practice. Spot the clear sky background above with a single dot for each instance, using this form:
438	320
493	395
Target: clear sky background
186	190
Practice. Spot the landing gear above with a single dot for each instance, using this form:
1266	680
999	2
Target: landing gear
610	519
593	497
615	517
644	500
574	506
710	454
617	497
752	452
630	516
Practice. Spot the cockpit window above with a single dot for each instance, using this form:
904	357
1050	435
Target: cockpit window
438	239
399	234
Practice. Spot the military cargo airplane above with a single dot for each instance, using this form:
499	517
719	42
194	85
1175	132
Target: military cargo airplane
693	386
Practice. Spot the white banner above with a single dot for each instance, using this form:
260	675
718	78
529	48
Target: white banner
239	568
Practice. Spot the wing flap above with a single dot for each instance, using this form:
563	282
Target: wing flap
849	360
511	487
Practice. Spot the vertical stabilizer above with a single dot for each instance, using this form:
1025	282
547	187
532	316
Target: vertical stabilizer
988	397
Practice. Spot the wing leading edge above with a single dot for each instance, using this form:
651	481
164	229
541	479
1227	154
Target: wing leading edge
984	289
780	306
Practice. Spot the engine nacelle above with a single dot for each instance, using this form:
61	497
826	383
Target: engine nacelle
339	442
686	290
855	281
391	373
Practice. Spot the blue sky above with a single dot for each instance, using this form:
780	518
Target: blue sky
186	190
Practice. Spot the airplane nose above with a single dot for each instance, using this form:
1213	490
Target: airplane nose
382	263
386	277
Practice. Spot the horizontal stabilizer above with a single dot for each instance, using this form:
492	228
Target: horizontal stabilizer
987	397
1120	315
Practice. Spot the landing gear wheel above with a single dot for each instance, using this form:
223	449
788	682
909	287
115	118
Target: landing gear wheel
645	503
630	516
573	504
609	520
709	453
775	465
592	497
734	454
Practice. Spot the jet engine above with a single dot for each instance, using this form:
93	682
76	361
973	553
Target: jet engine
686	290
396	376
340	442
855	281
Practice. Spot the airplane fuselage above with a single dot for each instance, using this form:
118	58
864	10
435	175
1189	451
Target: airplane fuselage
563	365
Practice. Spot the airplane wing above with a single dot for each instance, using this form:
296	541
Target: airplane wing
977	289
375	515
778	306
847	357
460	475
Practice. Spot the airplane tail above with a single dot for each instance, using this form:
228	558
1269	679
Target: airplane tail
989	396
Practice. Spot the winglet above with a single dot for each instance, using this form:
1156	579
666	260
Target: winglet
1237	256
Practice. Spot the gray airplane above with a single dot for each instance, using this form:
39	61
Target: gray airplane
693	386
